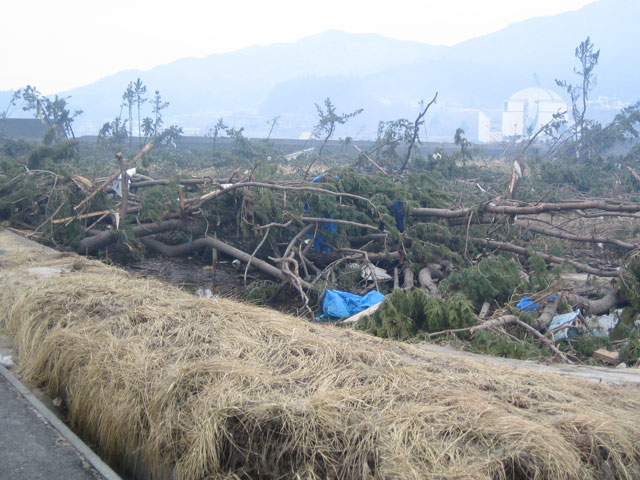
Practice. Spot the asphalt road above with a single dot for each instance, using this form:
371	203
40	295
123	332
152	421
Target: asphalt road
30	448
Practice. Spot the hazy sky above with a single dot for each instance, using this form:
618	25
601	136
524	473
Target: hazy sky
57	45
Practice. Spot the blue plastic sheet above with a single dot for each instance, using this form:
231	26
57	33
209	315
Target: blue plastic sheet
527	305
339	304
561	320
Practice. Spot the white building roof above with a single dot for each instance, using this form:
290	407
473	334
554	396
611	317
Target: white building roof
534	94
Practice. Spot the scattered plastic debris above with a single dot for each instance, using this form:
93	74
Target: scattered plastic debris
566	320
527	305
116	184
6	361
372	274
339	304
601	325
204	292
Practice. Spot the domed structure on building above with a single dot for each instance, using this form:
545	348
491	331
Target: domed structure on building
527	110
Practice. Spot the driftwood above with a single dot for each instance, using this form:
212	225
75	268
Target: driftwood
336	220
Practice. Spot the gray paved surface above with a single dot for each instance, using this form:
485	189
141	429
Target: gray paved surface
30	448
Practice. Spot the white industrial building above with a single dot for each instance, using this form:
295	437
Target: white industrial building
526	111
476	125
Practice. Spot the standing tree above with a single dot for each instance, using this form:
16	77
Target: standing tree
53	113
416	130
147	128
139	89
113	134
215	131
326	126
128	98
391	135
579	94
460	140
158	106
170	136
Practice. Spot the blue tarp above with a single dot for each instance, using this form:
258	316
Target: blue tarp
339	304
527	305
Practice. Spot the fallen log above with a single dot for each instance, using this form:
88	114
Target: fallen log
527	209
502	321
544	340
548	312
108	181
209	242
527	225
596	307
78	217
341	222
183	181
526	252
576	238
100	240
427	283
484	311
407	283
197	202
364	313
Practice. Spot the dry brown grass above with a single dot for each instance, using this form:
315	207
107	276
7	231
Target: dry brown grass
218	389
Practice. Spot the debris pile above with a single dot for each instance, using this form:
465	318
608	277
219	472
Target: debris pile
212	388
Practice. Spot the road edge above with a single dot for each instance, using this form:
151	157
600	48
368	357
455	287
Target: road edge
94	460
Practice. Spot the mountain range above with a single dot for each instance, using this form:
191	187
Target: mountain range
384	76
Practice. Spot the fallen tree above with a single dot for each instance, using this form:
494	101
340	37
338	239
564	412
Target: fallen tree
308	236
199	388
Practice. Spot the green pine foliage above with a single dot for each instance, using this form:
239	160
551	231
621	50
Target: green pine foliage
492	280
404	315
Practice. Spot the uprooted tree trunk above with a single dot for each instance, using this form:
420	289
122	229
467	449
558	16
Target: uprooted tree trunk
426	281
548	312
186	248
91	244
596	307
